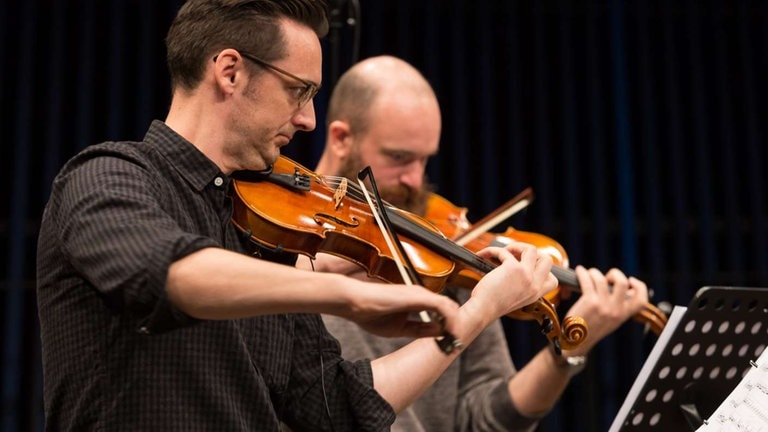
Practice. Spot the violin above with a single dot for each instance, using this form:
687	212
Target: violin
290	208
451	221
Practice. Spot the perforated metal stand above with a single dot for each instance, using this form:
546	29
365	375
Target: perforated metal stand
698	361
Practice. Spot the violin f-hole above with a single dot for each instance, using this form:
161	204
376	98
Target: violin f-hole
318	218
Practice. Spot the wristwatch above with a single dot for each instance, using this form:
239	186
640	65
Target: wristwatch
572	365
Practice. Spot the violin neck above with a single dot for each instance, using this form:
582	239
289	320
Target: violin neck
440	244
449	248
565	276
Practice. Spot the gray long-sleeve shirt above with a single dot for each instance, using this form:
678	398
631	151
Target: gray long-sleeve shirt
471	395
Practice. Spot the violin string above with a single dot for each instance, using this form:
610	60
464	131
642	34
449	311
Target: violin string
354	191
359	192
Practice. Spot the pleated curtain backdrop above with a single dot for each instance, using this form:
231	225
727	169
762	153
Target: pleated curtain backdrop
639	125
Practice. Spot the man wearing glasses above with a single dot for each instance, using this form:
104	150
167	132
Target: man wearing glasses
153	315
303	94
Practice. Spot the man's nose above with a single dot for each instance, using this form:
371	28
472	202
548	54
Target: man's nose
304	117
413	175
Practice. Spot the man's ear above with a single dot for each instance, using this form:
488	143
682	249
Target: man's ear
340	138
228	68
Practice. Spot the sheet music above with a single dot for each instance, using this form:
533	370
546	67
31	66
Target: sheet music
746	408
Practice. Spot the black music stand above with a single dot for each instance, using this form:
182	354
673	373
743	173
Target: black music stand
700	357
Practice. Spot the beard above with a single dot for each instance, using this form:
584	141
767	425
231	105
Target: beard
400	196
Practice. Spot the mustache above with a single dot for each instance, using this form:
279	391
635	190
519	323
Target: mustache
413	200
402	196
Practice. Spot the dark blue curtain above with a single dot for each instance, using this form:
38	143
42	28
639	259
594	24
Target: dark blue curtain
638	124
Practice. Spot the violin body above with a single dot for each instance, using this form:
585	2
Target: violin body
290	208
311	218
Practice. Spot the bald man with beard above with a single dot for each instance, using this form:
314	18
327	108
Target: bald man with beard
384	114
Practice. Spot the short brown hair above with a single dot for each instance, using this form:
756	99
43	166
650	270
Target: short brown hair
203	27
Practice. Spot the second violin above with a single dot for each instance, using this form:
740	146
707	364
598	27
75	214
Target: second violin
451	220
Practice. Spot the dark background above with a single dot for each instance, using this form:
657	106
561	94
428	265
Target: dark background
639	124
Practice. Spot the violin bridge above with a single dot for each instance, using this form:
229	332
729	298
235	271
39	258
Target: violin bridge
340	193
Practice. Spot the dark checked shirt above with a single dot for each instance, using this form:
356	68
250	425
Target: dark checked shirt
117	355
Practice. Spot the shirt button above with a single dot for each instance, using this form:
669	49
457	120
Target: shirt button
218	181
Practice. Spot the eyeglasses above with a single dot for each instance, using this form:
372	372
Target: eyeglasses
303	94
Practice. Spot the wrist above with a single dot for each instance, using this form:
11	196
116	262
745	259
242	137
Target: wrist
475	316
571	365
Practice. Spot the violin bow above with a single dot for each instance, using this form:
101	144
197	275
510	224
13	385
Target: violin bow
506	210
447	342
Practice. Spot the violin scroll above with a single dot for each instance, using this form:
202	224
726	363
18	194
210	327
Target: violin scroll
564	336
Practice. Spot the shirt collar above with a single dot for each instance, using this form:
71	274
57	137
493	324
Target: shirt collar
187	159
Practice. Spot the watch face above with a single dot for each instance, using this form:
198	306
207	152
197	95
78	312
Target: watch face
572	365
